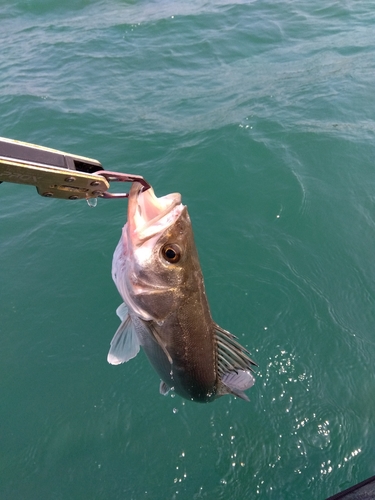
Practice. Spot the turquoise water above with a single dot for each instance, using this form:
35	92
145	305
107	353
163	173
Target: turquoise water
262	115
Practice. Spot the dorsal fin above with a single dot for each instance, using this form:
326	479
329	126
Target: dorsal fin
234	364
231	355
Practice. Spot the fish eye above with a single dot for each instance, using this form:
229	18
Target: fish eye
171	253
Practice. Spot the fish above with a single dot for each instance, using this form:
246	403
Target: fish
165	309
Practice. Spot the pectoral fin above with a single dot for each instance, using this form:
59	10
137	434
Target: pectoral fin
125	343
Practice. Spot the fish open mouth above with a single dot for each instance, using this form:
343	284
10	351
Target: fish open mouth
149	215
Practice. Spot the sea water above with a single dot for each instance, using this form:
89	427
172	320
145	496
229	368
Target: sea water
261	114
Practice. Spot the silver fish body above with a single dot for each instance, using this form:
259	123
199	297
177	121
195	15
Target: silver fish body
157	272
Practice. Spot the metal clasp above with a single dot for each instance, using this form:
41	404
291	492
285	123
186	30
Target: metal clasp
120	177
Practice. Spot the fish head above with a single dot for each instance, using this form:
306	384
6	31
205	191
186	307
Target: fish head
157	254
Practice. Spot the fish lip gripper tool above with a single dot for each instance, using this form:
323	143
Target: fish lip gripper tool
57	174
